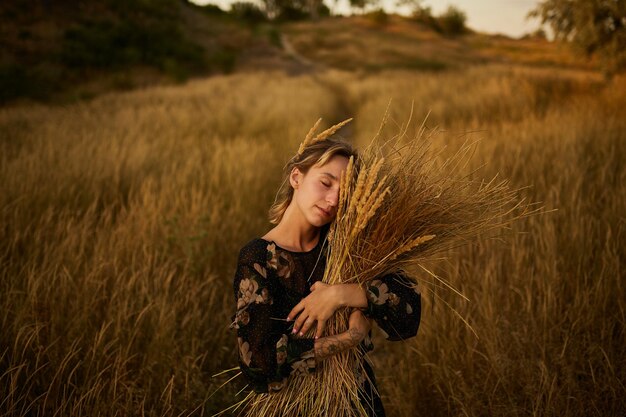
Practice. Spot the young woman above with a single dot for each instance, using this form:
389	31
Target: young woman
280	296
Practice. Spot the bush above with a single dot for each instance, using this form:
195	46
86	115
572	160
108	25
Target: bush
291	13
211	9
323	10
248	12
452	21
539	34
425	16
19	81
378	16
117	44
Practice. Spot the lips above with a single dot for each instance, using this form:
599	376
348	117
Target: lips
324	212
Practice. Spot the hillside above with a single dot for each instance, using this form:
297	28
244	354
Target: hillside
63	51
71	50
359	42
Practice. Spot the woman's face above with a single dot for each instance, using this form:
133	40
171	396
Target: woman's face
317	192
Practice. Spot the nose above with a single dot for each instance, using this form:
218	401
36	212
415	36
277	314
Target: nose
332	198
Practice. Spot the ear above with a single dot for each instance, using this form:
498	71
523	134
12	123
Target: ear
295	178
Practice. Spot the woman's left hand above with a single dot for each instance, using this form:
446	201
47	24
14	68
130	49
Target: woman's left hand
318	307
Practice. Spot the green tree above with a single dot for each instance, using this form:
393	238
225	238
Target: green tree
593	27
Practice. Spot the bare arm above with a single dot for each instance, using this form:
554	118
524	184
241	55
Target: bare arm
331	345
351	295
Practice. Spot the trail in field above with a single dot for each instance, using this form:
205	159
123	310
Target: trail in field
343	107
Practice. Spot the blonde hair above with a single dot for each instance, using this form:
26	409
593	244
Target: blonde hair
313	155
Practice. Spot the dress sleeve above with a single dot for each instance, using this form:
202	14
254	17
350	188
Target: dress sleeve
394	302
268	352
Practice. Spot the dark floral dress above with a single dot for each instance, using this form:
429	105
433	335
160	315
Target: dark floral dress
270	281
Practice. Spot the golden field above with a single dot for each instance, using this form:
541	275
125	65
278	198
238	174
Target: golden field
122	217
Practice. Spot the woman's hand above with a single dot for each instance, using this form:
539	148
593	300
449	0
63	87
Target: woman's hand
322	303
318	307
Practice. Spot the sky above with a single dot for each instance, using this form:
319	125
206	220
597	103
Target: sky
490	16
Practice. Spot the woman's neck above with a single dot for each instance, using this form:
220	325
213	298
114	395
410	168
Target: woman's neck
294	232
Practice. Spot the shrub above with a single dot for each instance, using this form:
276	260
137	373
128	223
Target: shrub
117	44
212	9
378	16
33	81
248	12
425	16
290	13
323	10
452	21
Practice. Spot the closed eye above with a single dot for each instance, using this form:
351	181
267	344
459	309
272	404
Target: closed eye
325	184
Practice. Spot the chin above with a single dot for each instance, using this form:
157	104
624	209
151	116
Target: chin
318	221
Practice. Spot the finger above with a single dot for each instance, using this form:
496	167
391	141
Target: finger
307	325
299	322
321	325
295	311
314	286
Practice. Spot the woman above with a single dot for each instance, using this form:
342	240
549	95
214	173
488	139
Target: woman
280	296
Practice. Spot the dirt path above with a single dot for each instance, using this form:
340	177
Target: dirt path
316	70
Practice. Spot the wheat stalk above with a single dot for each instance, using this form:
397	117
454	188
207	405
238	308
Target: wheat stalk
396	211
309	139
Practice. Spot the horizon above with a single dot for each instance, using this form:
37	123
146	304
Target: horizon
505	17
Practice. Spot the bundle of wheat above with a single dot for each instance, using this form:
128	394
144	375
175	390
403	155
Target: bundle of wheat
397	210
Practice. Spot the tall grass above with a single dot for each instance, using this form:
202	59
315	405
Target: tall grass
121	219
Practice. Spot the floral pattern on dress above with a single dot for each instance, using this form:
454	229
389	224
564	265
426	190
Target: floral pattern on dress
395	303
280	261
377	292
393	299
268	353
244	351
277	385
251	292
242	318
272	259
247	292
306	365
281	349
409	309
252	289
260	270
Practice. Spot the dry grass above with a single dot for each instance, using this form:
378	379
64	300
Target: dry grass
394	211
121	219
356	43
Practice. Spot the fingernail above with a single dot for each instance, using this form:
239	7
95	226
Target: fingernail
288	319
317	337
300	333
293	331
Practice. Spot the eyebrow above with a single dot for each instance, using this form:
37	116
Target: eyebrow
330	175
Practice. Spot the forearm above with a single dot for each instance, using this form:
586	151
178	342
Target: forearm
351	295
331	345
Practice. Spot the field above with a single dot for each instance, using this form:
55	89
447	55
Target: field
121	220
